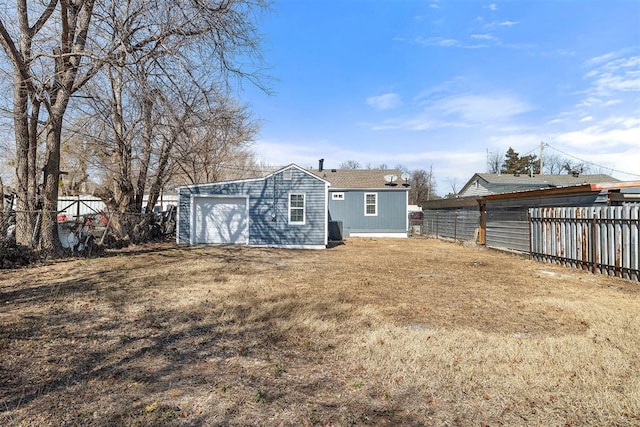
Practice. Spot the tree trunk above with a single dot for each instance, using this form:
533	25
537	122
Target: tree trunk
3	223
147	144
49	241
26	200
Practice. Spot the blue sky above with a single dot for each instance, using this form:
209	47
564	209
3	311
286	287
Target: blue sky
438	83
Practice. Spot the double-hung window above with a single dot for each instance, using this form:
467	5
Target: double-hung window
296	208
370	204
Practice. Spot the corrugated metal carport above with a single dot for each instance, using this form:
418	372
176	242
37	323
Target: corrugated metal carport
506	215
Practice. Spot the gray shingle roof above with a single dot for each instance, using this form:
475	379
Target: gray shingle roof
491	183
546	180
353	178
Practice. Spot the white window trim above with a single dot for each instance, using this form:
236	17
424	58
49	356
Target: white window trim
365	204
337	196
304	209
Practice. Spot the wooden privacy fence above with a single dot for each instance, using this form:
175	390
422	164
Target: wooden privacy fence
603	239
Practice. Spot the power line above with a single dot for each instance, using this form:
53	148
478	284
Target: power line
531	151
591	163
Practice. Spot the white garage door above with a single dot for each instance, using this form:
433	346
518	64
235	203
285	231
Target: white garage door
220	220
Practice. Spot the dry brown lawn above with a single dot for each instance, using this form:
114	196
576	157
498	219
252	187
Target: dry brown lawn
374	332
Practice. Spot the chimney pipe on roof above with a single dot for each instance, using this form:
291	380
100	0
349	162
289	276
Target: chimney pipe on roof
320	165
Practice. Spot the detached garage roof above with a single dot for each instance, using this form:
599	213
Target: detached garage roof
260	177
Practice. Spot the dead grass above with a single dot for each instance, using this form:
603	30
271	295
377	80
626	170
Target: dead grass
375	332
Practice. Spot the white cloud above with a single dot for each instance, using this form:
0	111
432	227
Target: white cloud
589	102
420	122
600	59
614	134
302	153
611	102
385	101
476	41
461	163
486	108
556	52
626	122
492	6
508	23
484	37
612	75
611	151
448	42
586	119
437	41
493	110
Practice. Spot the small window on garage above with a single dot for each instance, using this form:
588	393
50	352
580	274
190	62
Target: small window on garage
297	208
337	196
370	204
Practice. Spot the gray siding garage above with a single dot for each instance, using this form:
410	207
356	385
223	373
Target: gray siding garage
287	208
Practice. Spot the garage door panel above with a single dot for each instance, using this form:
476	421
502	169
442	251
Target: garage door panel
221	220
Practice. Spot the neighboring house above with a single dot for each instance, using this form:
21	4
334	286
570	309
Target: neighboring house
366	203
287	208
482	184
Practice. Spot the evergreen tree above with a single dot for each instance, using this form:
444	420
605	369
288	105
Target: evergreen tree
514	164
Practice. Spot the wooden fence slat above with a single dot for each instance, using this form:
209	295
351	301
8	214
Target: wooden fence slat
634	244
604	239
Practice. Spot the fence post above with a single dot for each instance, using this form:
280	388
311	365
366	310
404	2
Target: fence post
455	227
593	244
530	234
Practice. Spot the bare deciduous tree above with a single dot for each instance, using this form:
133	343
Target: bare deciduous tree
55	47
216	146
555	164
494	162
453	184
350	164
422	186
46	56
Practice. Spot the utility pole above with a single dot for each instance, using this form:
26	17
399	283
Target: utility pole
541	157
487	160
429	183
